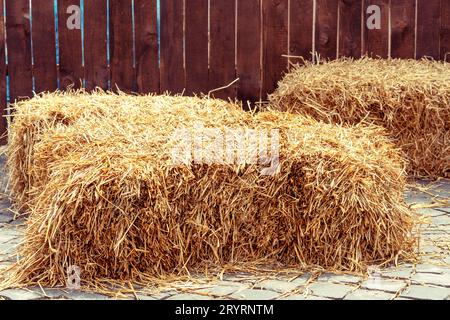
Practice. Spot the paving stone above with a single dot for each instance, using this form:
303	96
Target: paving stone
398	273
8	248
330	290
295	297
186	296
277	285
339	278
19	294
253	294
221	290
430	278
441	220
444	209
312	297
428	268
5	218
301	280
81	295
143	297
50	293
362	294
432	212
424	292
383	285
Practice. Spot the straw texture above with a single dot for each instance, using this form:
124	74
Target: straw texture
106	195
410	98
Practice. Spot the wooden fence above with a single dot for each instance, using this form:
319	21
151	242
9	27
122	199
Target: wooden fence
194	46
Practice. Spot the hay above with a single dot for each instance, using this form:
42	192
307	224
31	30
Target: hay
106	195
410	98
34	116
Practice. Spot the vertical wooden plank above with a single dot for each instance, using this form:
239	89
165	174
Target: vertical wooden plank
428	28
326	28
196	40
3	113
18	39
350	13
249	50
275	43
70	50
146	30
121	46
403	28
96	71
301	29
44	51
172	38
445	31
376	41
222	66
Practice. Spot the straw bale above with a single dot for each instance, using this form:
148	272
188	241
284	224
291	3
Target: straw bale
109	198
410	98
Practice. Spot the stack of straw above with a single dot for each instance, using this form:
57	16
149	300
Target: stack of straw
410	98
105	193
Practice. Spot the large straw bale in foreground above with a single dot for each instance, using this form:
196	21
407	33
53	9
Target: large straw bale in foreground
411	99
116	204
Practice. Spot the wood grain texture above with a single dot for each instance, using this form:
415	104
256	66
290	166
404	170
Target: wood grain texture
222	66
19	49
301	29
275	43
376	41
326	28
44	50
172	35
249	48
428	28
121	46
70	49
196	40
146	29
350	14
445	31
96	71
403	28
3	113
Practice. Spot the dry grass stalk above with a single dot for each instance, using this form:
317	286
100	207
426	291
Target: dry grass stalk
410	98
104	194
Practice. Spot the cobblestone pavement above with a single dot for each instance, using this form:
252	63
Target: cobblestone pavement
428	280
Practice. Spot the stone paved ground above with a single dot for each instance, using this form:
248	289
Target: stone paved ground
428	280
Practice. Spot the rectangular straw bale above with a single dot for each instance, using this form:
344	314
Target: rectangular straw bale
410	98
111	200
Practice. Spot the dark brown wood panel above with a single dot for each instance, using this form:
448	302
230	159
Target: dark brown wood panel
70	50
445	31
171	64
326	28
19	48
403	28
222	64
44	51
121	46
196	39
96	72
3	113
146	29
376	41
275	40
301	29
350	14
249	48
428	28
